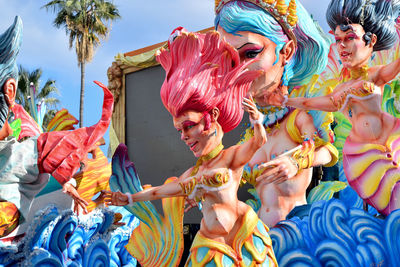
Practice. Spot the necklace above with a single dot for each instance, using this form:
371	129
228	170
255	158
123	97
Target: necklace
361	72
215	152
355	74
273	116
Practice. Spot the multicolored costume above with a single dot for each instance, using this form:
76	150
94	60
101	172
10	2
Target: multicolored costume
252	246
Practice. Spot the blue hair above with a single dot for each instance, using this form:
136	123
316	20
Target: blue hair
312	50
10	43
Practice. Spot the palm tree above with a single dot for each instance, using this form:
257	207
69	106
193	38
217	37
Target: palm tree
30	96
85	23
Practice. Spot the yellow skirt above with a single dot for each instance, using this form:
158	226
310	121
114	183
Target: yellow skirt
252	246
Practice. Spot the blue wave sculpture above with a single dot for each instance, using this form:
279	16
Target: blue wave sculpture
335	235
62	239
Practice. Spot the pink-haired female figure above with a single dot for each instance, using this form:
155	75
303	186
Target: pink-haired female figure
204	91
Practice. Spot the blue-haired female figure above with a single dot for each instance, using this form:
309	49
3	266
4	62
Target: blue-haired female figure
290	48
371	153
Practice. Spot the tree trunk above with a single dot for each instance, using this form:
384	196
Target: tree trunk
81	103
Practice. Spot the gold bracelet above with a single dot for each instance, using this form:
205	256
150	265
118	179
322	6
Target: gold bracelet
305	156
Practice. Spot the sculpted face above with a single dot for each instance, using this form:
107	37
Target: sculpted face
191	124
352	49
255	46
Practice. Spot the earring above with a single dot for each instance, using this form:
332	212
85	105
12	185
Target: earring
215	132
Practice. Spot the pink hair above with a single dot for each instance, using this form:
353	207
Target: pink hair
203	72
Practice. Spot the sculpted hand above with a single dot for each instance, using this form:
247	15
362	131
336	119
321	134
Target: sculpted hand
190	203
275	98
250	107
79	203
278	170
115	198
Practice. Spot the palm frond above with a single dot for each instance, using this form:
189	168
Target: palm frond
25	96
48	89
85	22
51	102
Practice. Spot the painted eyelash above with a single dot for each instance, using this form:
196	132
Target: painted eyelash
255	51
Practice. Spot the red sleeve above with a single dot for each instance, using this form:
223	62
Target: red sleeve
60	153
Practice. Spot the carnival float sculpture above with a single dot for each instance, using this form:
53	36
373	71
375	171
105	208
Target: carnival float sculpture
370	157
328	232
290	49
27	159
338	232
204	91
27	166
280	58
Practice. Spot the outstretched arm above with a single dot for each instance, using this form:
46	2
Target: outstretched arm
386	73
323	103
152	193
176	188
245	151
328	103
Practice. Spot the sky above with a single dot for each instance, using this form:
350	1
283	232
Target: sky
142	23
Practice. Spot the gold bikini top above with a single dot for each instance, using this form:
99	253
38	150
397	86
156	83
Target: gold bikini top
341	101
210	183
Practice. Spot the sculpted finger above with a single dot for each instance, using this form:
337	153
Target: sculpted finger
77	204
271	170
85	202
81	200
114	198
271	179
251	105
267	176
263	179
247	105
271	163
278	172
281	179
82	205
76	211
282	176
